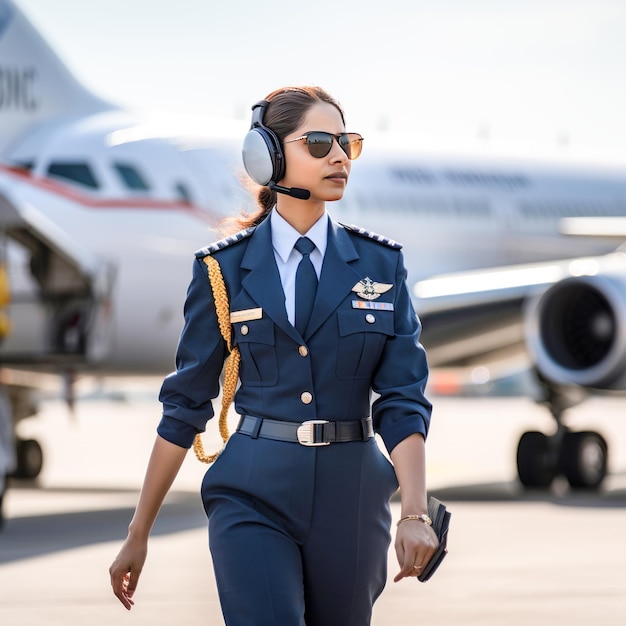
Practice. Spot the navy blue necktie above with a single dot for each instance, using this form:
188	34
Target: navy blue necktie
306	284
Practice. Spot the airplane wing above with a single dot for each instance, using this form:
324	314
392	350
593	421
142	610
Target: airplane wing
477	316
604	227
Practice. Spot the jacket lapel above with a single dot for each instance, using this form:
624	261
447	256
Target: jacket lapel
337	277
262	281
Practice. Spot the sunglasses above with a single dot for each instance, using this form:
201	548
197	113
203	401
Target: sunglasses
320	143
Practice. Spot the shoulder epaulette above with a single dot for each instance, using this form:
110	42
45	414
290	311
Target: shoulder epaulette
224	243
357	230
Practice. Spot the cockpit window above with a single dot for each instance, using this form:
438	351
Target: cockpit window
24	165
78	172
183	193
131	177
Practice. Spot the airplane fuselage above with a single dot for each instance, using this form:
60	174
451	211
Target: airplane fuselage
449	215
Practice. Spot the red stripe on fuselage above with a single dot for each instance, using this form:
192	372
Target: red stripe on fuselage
69	193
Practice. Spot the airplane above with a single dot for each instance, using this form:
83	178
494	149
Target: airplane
101	210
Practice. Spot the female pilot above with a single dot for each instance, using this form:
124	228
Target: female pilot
298	501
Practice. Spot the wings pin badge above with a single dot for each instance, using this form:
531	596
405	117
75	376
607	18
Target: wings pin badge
370	290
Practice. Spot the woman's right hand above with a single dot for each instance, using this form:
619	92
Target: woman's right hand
164	464
126	569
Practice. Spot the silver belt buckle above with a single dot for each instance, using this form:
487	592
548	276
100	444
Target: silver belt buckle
306	433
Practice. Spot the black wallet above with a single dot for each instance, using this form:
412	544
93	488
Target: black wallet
441	522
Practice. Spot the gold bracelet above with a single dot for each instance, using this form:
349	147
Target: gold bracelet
421	518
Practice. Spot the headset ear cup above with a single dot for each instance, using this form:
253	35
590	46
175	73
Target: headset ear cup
263	156
257	156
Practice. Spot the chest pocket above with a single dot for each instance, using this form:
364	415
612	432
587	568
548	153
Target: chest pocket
259	363
362	336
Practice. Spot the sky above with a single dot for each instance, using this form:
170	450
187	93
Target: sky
538	75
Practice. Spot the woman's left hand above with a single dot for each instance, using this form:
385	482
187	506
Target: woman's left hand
416	543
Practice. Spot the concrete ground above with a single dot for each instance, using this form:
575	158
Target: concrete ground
515	558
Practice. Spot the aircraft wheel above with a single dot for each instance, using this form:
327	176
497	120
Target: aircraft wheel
29	459
584	459
535	463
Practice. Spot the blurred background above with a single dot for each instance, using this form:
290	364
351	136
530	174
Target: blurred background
539	75
490	122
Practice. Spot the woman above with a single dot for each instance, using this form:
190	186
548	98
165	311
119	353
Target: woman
299	511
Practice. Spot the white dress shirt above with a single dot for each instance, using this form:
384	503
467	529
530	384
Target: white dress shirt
284	237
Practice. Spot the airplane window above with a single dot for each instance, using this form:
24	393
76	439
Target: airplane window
25	165
550	210
131	177
183	192
79	173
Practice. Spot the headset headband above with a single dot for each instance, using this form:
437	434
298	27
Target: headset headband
258	113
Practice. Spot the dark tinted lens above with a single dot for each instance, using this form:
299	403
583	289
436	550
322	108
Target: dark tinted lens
351	144
319	144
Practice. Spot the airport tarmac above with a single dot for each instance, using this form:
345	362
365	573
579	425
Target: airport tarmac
515	558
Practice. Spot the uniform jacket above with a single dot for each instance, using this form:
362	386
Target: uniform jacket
347	352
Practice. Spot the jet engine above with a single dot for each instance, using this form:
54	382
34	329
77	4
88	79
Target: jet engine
576	329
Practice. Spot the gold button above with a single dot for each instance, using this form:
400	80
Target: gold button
306	397
303	350
370	319
245	329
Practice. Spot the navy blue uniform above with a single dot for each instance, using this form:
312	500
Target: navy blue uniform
299	535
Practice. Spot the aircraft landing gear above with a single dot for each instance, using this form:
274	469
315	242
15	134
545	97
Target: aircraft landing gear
29	457
536	460
28	461
582	457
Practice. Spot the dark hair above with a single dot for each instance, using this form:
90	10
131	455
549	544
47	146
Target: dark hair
285	112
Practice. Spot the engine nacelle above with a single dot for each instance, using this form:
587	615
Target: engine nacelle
576	329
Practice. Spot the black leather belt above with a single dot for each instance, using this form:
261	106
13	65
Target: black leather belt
309	433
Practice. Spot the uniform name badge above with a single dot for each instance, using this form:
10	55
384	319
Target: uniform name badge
246	315
368	304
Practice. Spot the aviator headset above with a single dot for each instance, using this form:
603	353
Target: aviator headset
264	159
263	155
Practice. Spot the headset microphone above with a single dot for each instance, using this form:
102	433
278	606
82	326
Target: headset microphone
294	192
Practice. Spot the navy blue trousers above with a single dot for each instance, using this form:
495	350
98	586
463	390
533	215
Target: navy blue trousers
299	536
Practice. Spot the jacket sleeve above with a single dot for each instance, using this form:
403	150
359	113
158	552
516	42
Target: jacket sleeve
187	393
402	373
